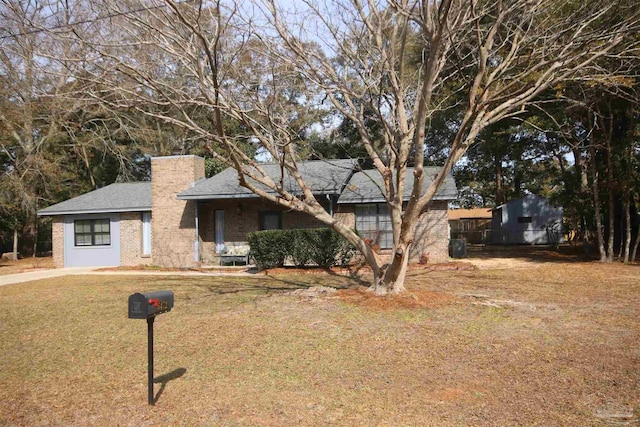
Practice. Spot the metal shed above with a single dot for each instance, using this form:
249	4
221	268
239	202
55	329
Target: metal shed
528	220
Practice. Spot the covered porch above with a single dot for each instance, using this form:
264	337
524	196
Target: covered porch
222	226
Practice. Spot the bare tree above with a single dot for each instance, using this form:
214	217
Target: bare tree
28	117
47	136
399	62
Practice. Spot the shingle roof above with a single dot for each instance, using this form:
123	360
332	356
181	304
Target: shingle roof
530	196
367	187
121	197
322	176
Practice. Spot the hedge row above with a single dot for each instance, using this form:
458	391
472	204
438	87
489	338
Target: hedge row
321	246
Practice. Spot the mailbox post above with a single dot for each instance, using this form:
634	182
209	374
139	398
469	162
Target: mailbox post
148	306
150	359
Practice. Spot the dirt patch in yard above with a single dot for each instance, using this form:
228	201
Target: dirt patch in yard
524	256
415	299
445	266
279	271
290	270
501	263
365	270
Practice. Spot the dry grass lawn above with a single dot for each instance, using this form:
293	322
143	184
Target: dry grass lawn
24	265
550	343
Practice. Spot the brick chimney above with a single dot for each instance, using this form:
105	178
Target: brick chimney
173	221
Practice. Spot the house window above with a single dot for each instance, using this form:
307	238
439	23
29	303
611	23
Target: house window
146	233
524	220
270	220
92	232
373	222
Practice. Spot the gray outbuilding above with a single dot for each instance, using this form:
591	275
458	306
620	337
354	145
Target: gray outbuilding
528	220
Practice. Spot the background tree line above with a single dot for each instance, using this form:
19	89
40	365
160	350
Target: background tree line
520	96
583	153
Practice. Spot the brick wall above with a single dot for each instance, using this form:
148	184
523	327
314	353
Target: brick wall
294	220
173	223
131	239
431	240
346	214
241	217
432	233
57	241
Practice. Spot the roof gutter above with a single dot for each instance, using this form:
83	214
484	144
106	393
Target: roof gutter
239	196
44	212
382	200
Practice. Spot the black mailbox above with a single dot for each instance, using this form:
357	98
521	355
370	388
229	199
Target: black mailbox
150	304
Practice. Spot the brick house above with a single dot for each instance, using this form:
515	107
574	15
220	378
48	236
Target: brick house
180	219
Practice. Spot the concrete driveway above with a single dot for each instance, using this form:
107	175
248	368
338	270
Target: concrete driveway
29	276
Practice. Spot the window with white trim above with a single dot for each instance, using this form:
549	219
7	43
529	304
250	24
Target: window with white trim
219	230
92	232
373	222
146	233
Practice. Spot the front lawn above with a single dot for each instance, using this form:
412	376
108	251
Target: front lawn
551	343
24	265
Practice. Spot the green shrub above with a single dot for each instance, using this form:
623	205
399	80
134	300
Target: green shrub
299	247
321	246
325	247
269	248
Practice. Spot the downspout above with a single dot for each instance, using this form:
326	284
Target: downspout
330	199
196	243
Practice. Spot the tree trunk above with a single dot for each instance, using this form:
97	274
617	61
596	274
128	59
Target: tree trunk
35	239
500	198
627	220
29	233
15	243
371	257
611	186
87	165
635	246
596	204
584	233
610	237
581	168
637	241
392	280
517	174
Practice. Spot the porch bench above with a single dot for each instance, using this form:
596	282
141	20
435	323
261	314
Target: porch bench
234	254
